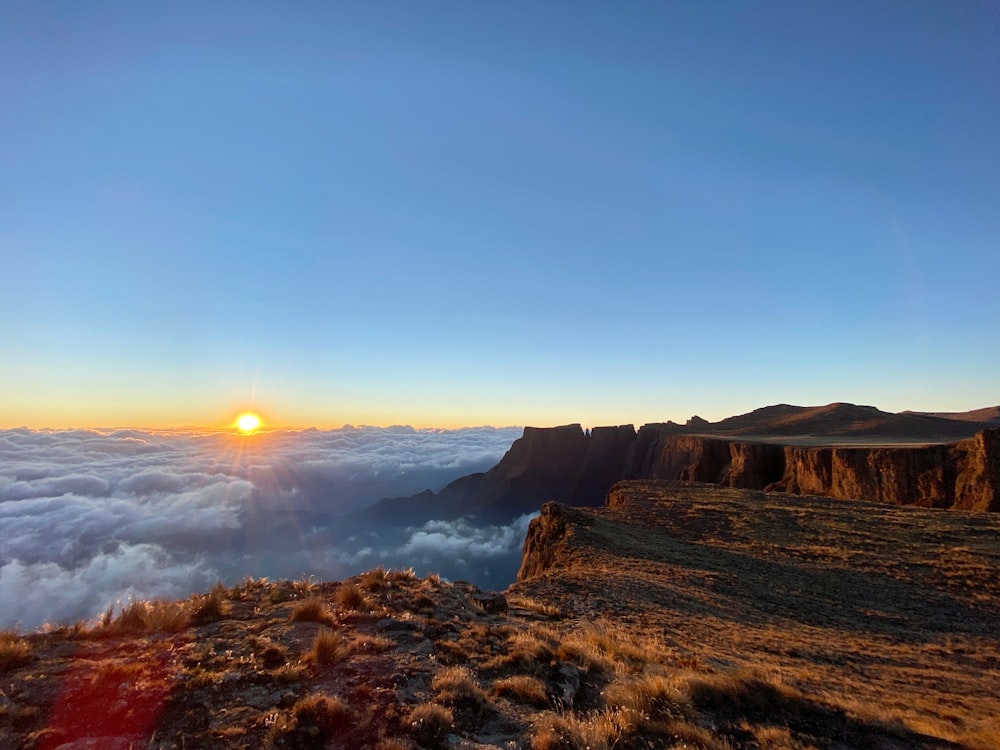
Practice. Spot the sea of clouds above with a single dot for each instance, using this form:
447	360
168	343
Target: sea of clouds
91	517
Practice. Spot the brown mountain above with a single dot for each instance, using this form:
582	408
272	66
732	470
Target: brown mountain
990	414
841	420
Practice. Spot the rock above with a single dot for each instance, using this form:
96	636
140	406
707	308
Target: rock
493	604
547	536
567	684
391	625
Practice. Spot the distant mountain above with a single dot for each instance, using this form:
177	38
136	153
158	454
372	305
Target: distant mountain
990	414
843	420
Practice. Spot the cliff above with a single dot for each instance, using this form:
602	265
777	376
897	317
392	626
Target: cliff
839	450
566	464
962	475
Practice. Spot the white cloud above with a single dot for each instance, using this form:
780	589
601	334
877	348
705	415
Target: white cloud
460	538
91	516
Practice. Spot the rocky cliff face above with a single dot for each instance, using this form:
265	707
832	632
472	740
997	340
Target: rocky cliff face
572	466
977	470
564	464
963	475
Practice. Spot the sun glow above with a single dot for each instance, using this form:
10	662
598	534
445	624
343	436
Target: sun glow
247	422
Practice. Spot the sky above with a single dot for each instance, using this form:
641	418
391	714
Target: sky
469	213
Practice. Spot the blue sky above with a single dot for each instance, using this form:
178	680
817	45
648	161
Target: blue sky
469	213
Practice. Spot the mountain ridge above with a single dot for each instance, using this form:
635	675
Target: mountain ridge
837	450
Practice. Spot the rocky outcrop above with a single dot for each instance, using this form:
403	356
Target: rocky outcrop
548	538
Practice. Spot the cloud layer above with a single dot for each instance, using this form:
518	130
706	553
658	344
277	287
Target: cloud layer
90	517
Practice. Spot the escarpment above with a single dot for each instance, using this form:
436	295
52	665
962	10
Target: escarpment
840	451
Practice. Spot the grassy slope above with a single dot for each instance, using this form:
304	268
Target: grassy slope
692	617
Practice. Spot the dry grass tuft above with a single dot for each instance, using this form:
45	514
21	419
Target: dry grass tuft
600	646
401	575
375	579
312	723
313	610
430	724
14	651
327	648
457	687
350	596
211	607
527	652
141	616
652	696
522	688
600	730
373	644
304	586
518	601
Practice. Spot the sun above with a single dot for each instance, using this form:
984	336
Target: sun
247	422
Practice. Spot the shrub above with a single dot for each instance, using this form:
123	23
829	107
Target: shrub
14	651
350	596
313	722
326	648
312	610
273	655
456	686
524	689
375	579
597	731
653	696
430	724
211	607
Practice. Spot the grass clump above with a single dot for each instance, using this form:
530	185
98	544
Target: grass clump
522	688
304	587
312	723
430	724
14	651
211	607
350	596
457	687
373	644
375	579
273	655
600	646
600	730
527	652
312	610
327	648
142	616
652	696
516	601
401	575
